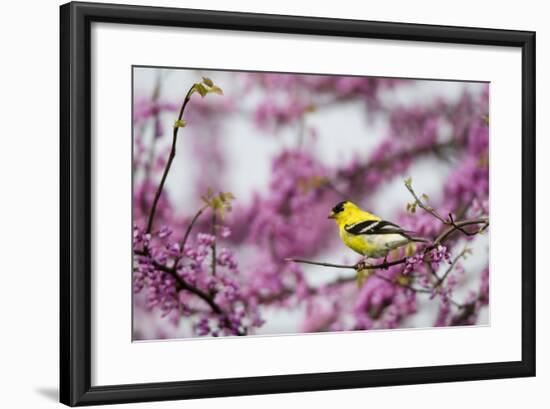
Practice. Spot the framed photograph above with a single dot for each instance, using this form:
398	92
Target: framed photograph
259	204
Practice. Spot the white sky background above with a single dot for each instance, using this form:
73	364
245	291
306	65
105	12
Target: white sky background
341	134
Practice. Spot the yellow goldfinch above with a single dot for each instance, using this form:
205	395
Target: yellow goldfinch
368	234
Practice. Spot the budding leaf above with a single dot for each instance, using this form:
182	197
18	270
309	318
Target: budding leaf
220	203
402	280
408	182
411	207
216	90
207	81
179	123
227	196
425	197
201	89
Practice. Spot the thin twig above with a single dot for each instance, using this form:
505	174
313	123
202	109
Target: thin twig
319	263
452	266
214	228
392	281
191	224
448	222
425	206
453	223
183	242
360	266
169	162
151	154
457	225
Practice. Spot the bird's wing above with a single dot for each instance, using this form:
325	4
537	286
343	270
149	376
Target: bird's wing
375	227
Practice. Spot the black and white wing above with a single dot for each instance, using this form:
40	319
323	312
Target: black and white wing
368	227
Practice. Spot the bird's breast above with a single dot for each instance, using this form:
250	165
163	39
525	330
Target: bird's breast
375	245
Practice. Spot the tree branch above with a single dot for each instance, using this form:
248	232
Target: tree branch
452	266
181	283
169	162
183	242
392	281
213	247
191	224
151	157
458	226
448	222
423	205
358	266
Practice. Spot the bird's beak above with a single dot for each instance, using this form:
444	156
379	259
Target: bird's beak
331	216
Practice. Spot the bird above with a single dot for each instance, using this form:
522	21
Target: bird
368	234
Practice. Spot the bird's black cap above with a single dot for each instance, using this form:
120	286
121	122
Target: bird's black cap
339	207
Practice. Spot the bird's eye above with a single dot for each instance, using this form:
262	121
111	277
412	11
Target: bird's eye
339	207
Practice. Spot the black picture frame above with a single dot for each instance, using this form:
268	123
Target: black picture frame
76	199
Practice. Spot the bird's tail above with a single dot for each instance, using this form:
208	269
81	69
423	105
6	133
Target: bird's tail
410	249
419	240
410	235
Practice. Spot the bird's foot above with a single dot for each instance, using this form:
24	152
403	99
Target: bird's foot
362	264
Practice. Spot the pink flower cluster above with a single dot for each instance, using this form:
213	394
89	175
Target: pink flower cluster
182	280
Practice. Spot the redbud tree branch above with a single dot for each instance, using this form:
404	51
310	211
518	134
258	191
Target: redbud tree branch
449	222
452	266
183	242
349	266
181	284
213	247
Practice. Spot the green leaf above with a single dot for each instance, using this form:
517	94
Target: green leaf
425	197
207	81
227	196
216	90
